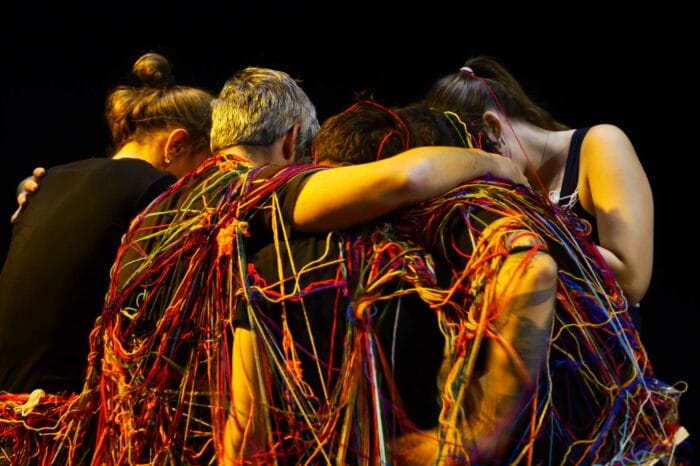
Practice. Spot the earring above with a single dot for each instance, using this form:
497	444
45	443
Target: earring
168	160
501	141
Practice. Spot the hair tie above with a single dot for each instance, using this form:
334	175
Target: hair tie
466	70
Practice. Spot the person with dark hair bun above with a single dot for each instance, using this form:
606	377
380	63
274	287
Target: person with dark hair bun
592	171
54	280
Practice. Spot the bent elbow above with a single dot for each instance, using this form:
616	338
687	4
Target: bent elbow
634	293
417	183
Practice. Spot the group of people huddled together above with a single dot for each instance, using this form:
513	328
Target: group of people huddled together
453	281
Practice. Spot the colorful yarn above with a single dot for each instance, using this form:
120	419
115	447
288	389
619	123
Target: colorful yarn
158	387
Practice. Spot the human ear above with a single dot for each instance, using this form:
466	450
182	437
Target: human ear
289	146
493	125
177	143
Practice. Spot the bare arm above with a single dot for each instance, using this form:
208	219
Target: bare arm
244	430
345	196
620	197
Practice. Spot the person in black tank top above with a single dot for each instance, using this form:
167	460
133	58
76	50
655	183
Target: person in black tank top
594	171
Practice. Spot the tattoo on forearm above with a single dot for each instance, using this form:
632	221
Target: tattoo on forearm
537	297
530	341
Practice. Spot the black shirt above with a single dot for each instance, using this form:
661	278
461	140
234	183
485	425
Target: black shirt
56	274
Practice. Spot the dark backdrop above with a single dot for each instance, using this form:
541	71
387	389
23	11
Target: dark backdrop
587	66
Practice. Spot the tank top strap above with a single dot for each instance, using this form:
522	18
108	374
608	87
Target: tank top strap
570	182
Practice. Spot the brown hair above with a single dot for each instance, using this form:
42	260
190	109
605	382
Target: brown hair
156	104
484	84
369	131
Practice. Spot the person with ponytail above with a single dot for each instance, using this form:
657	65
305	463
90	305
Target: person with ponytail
592	171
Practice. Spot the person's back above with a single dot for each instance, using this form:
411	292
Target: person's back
57	270
312	296
345	321
54	280
368	131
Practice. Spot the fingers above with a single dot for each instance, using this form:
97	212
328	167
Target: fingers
15	215
30	186
27	186
522	179
518	175
21	200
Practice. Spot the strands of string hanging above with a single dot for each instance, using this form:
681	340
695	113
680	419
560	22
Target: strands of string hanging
592	329
226	205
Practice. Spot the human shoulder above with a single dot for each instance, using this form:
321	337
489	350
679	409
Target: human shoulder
105	173
606	143
608	163
108	166
605	133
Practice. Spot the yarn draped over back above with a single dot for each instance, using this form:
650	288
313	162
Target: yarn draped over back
158	389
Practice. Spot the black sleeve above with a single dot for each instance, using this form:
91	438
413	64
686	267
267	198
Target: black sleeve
260	222
290	194
259	248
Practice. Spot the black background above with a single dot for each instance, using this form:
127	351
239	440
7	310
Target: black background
584	62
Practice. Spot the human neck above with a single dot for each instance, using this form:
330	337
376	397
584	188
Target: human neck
241	151
259	155
552	149
134	150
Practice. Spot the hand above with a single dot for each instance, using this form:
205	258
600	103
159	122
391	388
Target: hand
507	169
25	188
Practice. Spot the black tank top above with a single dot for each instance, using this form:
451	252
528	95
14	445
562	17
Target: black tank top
568	199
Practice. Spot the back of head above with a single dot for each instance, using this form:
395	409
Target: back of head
157	104
362	133
257	106
485	84
432	127
368	131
